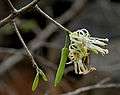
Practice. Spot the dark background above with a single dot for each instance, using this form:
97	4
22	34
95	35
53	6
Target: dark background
100	17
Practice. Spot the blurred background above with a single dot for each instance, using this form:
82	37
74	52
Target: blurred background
45	40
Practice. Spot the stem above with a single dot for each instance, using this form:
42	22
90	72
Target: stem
13	8
16	12
67	40
27	50
47	16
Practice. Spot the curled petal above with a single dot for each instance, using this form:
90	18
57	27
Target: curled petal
80	32
86	32
97	42
97	48
100	39
75	68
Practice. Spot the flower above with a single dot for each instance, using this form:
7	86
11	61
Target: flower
82	37
80	43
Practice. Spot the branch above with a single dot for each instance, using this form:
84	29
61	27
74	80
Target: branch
51	28
99	85
26	48
16	13
14	10
58	24
12	60
21	39
47	16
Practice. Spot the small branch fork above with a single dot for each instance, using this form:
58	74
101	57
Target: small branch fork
33	3
16	12
99	85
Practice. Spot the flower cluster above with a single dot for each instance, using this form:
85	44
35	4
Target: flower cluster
80	43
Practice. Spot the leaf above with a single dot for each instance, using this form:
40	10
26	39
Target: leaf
35	82
43	75
61	67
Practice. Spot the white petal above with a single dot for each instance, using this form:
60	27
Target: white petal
87	33
100	39
69	62
97	42
94	47
75	68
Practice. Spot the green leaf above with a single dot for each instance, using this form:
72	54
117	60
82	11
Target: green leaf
61	67
35	82
43	75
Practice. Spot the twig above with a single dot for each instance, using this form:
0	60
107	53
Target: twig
51	28
58	24
12	60
62	19
47	16
11	16
21	39
29	53
13	8
92	87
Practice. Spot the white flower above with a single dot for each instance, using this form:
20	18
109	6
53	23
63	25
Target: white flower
81	43
82	37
